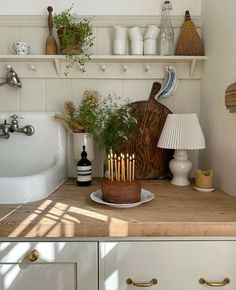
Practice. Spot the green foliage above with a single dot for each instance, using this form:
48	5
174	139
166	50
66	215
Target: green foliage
71	27
109	121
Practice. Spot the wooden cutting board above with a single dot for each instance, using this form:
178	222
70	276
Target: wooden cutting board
151	161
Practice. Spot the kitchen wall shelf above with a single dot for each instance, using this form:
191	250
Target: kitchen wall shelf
105	60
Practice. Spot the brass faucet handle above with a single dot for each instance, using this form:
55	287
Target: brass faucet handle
33	256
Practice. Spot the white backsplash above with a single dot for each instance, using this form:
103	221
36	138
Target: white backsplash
44	90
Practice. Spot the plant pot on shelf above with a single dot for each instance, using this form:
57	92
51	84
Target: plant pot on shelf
80	139
69	41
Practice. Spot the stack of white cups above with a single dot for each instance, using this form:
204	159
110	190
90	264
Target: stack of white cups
136	39
119	40
150	40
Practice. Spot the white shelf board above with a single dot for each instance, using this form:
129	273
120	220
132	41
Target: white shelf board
192	60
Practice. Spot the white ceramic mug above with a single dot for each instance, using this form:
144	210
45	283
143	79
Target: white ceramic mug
150	46
152	32
20	48
135	34
137	47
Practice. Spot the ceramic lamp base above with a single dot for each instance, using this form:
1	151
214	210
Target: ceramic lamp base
180	167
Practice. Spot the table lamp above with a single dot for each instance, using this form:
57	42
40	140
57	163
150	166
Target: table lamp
181	132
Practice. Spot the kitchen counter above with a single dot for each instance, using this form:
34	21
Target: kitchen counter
174	211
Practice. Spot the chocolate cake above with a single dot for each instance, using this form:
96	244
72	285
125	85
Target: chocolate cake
121	192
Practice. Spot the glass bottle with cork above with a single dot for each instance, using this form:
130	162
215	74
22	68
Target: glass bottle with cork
166	36
84	170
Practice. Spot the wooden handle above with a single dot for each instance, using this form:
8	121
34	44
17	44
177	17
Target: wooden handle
50	20
187	15
155	89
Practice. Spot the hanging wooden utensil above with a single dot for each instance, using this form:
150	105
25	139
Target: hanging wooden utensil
150	161
51	45
189	42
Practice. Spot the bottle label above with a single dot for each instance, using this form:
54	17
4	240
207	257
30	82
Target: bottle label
84	173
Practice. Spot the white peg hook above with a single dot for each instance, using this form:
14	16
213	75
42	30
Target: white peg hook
82	69
147	68
103	68
33	67
125	68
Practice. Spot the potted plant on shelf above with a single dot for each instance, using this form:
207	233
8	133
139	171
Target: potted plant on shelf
75	37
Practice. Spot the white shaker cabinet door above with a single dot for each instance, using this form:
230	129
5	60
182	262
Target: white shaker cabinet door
48	266
168	265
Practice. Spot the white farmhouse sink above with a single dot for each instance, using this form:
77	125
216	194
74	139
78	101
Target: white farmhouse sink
32	167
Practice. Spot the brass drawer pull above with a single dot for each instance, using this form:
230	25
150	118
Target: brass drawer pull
33	256
215	284
154	281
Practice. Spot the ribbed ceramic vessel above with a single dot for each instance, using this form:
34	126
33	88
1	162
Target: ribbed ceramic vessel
182	131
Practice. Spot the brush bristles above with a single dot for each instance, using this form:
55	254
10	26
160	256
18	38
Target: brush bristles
189	42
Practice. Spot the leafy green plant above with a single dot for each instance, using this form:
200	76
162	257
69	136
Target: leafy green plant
76	37
108	119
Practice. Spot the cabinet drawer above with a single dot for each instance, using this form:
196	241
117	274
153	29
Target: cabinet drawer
48	265
177	265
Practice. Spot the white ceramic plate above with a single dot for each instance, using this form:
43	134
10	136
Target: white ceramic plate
204	189
145	197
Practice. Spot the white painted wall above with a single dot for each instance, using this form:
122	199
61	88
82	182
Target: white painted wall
101	7
218	124
44	91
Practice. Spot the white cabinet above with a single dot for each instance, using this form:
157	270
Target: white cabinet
176	265
54	266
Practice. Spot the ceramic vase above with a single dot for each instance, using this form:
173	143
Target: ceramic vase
80	139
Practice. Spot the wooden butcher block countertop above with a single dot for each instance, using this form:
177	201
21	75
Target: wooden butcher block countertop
174	211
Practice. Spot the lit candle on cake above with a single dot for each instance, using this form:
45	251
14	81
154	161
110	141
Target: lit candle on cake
127	167
118	173
133	165
109	167
130	168
123	167
115	167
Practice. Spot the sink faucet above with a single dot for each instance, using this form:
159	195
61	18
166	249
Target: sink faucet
6	130
14	127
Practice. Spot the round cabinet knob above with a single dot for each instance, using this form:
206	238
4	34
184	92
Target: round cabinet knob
33	256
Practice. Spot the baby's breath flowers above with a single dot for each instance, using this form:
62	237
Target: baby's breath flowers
108	119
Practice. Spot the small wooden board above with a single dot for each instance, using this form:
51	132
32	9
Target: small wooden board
151	161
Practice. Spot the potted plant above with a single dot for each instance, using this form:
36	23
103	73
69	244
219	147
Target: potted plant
75	36
107	119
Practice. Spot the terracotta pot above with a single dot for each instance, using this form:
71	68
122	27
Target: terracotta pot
74	47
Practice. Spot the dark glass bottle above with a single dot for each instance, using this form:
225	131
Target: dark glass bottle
84	170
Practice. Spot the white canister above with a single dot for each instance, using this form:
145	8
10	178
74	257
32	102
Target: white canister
119	32
135	34
119	46
137	47
150	46
152	32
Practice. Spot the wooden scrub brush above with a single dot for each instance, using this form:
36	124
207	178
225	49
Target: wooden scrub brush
189	42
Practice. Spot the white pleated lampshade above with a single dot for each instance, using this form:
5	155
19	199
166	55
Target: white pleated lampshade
182	131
